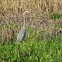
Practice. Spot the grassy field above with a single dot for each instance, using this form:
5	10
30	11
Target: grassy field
43	41
32	49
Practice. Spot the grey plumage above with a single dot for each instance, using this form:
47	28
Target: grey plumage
22	33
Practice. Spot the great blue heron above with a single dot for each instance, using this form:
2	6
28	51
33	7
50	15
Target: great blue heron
22	33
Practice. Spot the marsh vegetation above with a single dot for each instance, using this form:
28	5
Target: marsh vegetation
43	41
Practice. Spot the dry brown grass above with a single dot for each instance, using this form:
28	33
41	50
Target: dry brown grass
18	6
11	12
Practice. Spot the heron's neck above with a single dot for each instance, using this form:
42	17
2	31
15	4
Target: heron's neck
24	20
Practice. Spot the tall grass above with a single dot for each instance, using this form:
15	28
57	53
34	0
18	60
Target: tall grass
17	7
35	47
32	50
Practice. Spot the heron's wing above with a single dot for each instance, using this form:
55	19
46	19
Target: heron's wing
21	35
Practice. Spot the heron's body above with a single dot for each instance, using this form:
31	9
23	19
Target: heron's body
21	34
